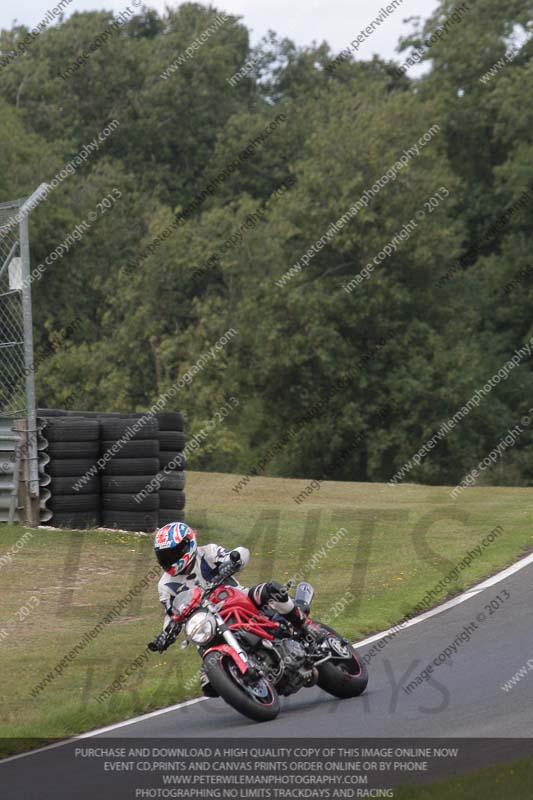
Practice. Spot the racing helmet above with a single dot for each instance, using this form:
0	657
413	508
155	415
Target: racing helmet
175	547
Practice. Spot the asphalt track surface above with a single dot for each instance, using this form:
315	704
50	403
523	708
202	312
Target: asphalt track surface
463	697
462	700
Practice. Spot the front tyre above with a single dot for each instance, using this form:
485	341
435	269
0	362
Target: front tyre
258	701
345	675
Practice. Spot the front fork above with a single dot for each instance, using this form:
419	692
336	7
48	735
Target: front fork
232	647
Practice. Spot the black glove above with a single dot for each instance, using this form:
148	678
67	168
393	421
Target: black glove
277	591
163	640
230	564
158	644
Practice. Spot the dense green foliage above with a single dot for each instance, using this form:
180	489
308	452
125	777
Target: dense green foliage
119	319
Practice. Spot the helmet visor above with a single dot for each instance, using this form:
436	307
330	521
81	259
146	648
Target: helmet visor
169	556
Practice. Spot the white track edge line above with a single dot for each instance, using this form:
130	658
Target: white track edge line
98	731
455	601
467	595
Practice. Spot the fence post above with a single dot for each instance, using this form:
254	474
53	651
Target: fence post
29	506
29	371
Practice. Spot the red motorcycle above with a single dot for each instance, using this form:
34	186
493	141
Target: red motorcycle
251	656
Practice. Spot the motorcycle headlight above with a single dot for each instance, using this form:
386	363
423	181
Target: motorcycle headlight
200	628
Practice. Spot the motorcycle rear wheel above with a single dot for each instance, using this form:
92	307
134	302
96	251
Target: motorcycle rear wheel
259	702
342	677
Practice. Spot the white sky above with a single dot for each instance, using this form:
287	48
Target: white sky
336	21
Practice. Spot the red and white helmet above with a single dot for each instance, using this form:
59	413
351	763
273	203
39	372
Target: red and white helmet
175	547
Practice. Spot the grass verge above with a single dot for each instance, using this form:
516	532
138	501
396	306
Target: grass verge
371	552
494	783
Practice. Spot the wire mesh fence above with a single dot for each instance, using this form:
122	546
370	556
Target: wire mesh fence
12	353
17	387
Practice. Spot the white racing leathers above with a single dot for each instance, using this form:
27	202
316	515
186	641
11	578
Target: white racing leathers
176	590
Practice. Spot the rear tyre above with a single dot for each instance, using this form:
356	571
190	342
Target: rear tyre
346	674
259	701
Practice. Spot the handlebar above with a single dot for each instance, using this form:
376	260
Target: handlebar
206	590
219	580
231	567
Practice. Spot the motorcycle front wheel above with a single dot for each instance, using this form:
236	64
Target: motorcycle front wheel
258	701
345	675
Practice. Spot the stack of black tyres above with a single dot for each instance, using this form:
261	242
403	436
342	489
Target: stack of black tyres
74	449
128	471
172	462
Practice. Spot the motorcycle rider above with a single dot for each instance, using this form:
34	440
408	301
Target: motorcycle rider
186	563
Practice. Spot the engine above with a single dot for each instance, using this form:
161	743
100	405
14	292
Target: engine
283	662
294	671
